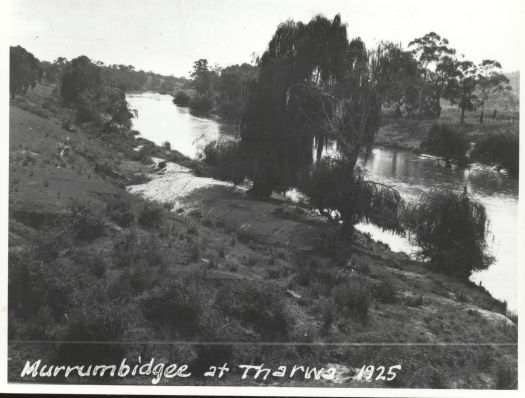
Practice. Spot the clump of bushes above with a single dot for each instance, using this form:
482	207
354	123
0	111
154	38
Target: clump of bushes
506	377
120	210
175	307
150	215
353	297
444	141
86	220
260	306
339	191
182	99
500	148
201	104
384	291
450	228
96	322
224	156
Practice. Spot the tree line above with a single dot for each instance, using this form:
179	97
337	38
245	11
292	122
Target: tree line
224	90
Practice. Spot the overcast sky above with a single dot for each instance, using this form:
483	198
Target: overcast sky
166	36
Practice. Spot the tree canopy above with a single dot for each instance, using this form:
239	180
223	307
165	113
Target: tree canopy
25	70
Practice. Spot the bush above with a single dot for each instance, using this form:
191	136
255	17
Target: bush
120	210
506	378
182	99
94	322
224	155
340	193
87	222
443	141
501	148
353	297
450	228
201	104
384	291
175	307
257	305
150	215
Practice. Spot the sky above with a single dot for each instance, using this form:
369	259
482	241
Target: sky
167	36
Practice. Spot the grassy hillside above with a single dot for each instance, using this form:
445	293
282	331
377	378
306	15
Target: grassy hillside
88	261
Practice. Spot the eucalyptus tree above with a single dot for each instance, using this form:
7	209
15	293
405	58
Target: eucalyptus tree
461	90
436	61
490	81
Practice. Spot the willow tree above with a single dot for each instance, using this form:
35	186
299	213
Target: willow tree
313	85
277	131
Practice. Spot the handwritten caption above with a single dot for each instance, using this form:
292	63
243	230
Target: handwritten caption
159	371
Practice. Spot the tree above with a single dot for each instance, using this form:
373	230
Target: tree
277	133
25	70
461	90
81	80
202	77
53	71
340	192
437	69
490	81
182	99
450	228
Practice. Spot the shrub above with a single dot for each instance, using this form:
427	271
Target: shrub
224	156
443	141
120	210
340	193
175	307
325	277
182	99
500	148
150	215
384	291
92	262
138	179
353	297
94	322
87	222
259	305
201	104
450	228
506	378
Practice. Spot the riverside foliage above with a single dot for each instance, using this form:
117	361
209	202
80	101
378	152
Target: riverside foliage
451	229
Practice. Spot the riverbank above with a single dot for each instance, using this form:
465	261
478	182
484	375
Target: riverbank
208	263
407	134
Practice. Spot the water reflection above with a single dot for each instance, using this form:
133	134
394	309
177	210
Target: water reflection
159	120
412	174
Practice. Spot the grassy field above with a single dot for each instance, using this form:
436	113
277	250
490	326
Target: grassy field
408	133
88	261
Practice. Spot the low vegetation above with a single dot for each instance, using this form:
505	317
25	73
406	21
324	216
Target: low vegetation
447	143
501	149
451	229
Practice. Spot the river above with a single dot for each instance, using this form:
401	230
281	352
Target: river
159	120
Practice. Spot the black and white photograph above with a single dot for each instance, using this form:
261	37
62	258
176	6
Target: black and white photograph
271	197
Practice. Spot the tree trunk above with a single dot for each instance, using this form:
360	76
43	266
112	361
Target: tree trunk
462	115
320	145
481	114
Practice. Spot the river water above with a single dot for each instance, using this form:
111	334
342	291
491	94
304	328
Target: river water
159	120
